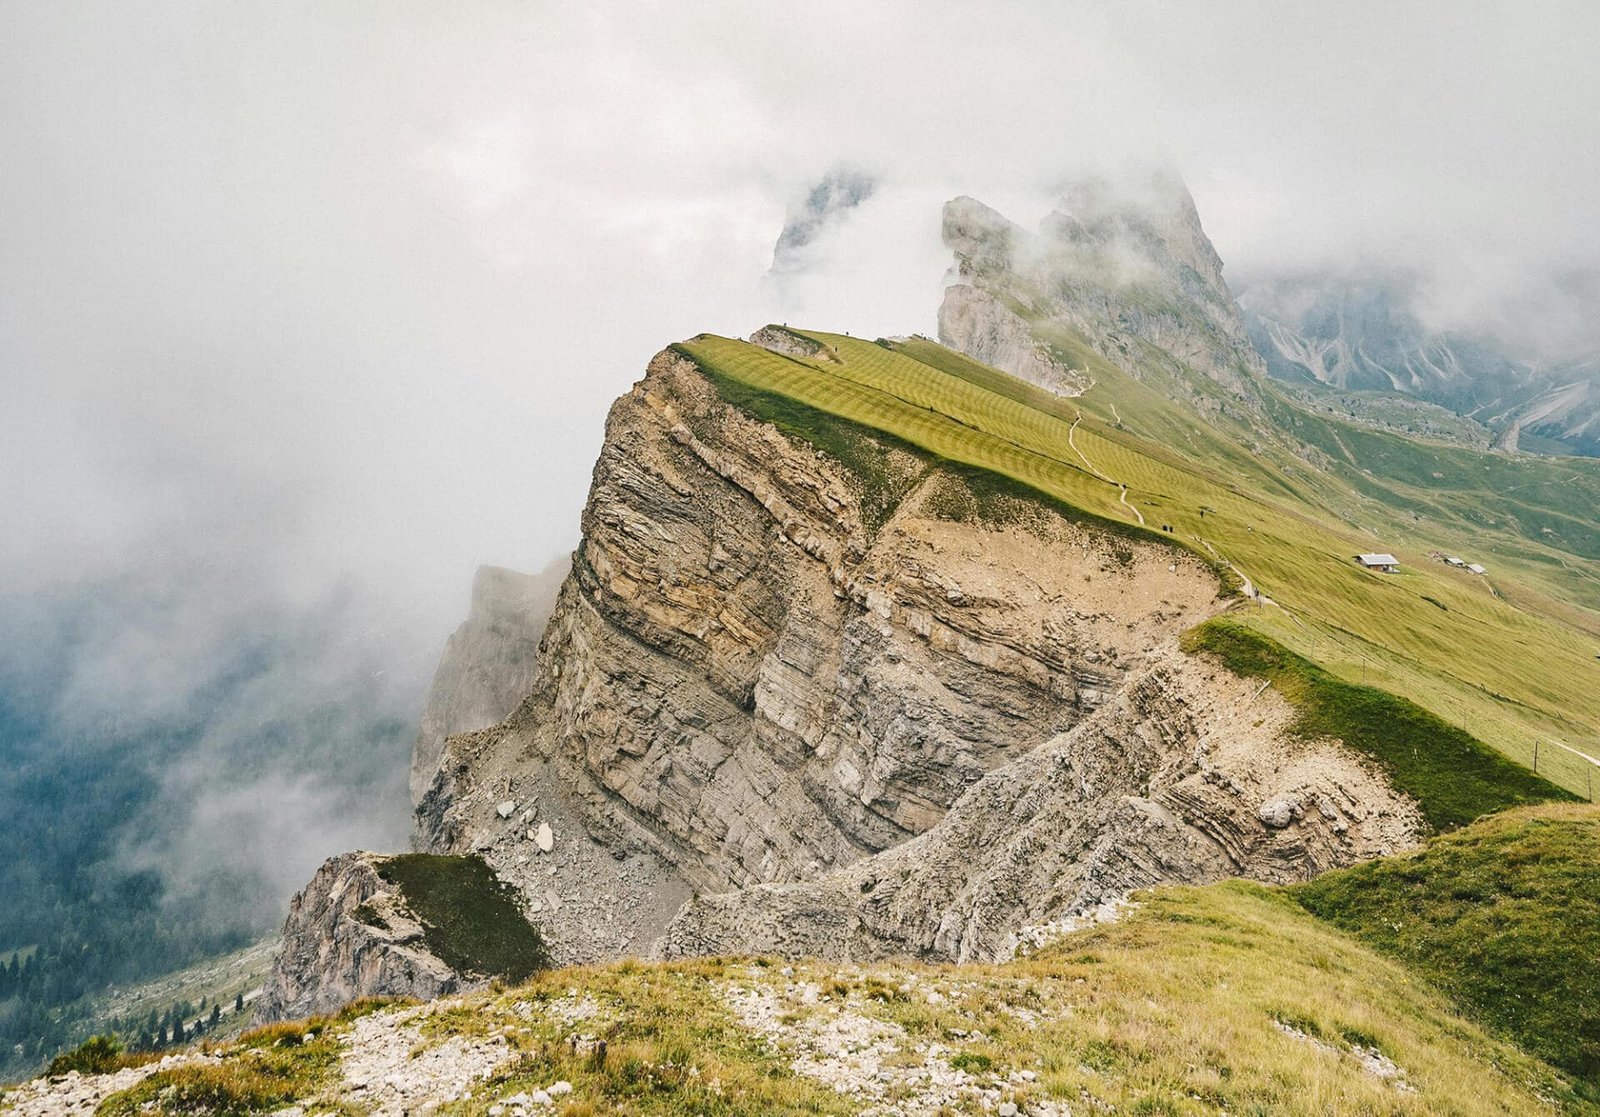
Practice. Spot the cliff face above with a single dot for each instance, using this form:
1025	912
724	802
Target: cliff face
488	664
1185	775
911	729
351	934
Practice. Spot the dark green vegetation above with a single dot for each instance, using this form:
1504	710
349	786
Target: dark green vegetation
1503	916
94	921
1454	778
472	919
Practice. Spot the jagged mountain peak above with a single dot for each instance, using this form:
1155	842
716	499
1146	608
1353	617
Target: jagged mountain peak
1123	266
825	203
1153	215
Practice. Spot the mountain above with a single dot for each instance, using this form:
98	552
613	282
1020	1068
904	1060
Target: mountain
1130	268
874	654
827	203
488	664
1363	333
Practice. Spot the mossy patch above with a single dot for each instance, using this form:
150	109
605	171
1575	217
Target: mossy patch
471	919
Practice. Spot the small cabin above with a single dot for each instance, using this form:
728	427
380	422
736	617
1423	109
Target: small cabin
1476	568
1388	564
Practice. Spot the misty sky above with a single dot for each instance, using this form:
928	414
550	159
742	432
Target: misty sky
306	309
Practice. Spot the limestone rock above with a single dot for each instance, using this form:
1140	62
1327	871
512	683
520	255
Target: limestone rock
1279	813
1126	267
348	935
908	731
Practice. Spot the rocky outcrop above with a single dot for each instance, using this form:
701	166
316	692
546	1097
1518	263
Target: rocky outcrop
1186	775
1125	270
488	664
350	934
909	733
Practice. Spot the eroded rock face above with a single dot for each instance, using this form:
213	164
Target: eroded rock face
753	692
1160	785
488	665
349	935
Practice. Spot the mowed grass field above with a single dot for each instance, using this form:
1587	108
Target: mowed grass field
1514	675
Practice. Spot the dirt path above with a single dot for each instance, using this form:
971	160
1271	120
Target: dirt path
1123	489
1574	751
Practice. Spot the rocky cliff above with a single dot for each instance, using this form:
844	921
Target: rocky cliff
351	934
488	664
1125	269
912	732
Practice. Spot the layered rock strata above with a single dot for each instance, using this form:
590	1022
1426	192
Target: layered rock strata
852	740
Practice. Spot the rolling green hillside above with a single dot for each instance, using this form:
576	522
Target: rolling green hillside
1503	916
1509	658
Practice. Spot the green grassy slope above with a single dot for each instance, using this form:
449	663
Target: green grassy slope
1503	916
1502	667
1454	778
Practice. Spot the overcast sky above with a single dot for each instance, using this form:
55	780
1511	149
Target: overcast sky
329	297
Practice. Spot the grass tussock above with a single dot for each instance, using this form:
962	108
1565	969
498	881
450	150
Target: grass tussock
1454	777
659	1041
98	1055
260	1077
1504	916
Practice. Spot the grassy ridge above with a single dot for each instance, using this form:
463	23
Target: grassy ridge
471	919
1453	777
1509	666
868	453
1504	916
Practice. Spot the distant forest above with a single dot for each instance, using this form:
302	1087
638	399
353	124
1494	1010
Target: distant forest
83	923
78	915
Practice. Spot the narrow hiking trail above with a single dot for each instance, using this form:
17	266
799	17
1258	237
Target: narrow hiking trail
1249	587
1122	489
